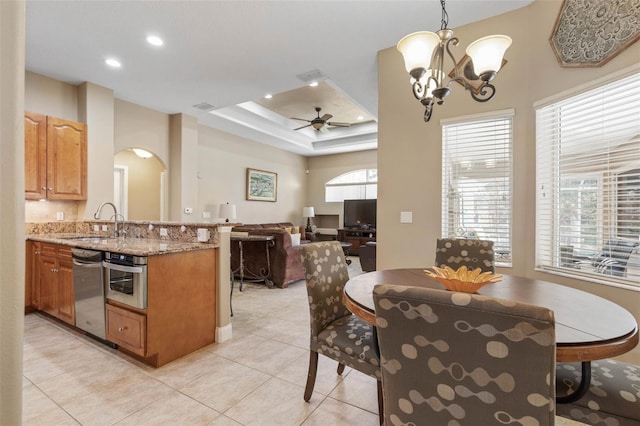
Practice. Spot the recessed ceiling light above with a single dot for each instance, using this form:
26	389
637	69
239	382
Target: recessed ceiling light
155	40
360	117
313	84
114	63
268	96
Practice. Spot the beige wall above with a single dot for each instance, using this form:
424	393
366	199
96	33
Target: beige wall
222	163
47	96
144	185
409	150
140	127
324	168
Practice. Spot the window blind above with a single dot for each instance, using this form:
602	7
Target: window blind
356	185
588	183
476	182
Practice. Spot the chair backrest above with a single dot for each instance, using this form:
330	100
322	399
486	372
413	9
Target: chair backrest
455	252
613	258
464	359
325	271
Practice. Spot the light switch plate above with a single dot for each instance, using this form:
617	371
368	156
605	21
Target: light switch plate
105	227
206	215
406	217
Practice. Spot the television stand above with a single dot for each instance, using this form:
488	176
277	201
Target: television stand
357	237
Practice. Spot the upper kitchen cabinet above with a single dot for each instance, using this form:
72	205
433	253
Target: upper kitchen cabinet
55	158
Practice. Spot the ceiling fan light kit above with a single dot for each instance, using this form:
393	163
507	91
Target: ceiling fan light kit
424	56
320	123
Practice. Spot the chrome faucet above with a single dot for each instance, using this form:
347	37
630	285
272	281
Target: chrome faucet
98	213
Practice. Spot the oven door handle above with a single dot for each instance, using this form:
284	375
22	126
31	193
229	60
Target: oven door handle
122	268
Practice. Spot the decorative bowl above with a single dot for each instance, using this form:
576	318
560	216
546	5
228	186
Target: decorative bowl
462	279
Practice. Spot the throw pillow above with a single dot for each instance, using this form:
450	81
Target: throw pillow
295	239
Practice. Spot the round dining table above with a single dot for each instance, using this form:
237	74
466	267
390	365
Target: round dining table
588	327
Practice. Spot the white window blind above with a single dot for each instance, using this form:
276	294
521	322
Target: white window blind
356	185
588	183
476	182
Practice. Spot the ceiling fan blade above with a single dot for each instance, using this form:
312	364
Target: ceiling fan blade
301	119
326	117
302	127
336	124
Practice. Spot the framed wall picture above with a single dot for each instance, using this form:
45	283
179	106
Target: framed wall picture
261	185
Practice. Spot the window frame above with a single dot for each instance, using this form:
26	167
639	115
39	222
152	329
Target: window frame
368	182
504	258
608	206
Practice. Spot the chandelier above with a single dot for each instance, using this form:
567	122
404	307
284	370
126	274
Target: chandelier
424	55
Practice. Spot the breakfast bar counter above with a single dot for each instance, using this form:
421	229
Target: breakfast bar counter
133	246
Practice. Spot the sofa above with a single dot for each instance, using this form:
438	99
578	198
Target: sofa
284	260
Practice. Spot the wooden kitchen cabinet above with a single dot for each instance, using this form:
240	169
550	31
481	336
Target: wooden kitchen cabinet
53	283
55	158
181	309
127	329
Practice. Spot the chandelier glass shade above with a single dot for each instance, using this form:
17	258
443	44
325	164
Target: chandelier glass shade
424	57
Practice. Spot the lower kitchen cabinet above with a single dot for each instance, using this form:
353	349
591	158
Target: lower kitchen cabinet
52	281
127	329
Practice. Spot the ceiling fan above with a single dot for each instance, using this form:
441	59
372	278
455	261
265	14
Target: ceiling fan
320	123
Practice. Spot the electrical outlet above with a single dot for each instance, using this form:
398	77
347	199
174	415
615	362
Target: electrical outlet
163	232
60	216
105	228
406	217
96	228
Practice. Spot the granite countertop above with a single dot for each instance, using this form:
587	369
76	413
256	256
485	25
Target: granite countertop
133	246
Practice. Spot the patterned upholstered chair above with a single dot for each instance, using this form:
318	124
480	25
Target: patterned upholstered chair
452	358
613	398
335	332
455	252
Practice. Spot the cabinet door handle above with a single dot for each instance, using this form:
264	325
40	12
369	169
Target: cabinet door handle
50	189
121	329
44	188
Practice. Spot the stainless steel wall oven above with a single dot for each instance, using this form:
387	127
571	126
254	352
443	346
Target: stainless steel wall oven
126	279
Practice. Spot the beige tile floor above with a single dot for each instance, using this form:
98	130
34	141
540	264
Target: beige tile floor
256	378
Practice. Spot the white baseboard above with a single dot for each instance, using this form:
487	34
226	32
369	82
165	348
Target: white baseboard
224	333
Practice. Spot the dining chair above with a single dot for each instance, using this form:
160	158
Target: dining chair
464	359
613	397
335	331
455	252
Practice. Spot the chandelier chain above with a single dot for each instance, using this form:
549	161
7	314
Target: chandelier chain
444	21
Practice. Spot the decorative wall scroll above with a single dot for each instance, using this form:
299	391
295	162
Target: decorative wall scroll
589	33
261	185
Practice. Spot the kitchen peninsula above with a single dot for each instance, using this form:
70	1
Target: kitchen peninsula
180	311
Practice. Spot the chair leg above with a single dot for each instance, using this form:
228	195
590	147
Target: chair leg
311	375
380	403
340	368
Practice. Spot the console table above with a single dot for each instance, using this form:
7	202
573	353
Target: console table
242	271
357	238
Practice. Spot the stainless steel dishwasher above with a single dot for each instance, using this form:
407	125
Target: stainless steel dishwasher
88	283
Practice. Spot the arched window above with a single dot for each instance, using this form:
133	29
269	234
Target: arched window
356	185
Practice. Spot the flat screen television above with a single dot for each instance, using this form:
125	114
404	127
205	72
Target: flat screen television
360	214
